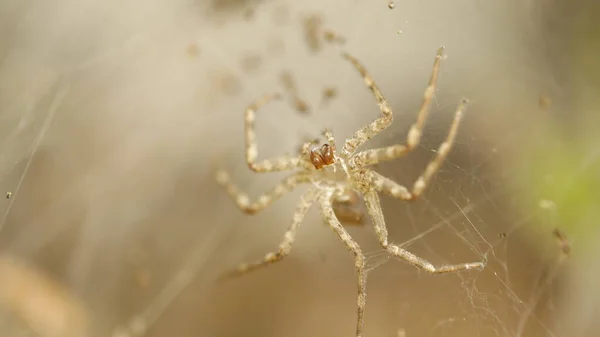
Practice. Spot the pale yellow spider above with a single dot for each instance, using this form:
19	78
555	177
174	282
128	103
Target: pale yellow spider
336	177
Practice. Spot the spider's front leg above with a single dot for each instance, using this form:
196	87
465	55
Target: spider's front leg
378	125
328	214
374	209
288	239
243	201
374	156
392	188
267	165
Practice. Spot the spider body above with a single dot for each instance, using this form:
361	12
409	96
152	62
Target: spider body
335	174
346	208
336	179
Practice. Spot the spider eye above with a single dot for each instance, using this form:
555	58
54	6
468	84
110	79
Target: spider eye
327	154
316	159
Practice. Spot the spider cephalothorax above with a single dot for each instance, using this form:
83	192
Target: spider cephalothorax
337	194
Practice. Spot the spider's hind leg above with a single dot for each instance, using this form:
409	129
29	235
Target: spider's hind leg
288	239
374	209
359	259
442	152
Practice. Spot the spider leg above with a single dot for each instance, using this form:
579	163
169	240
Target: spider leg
378	125
305	154
374	156
242	200
288	239
442	152
267	165
393	189
369	131
329	136
374	209
359	259
305	149
388	186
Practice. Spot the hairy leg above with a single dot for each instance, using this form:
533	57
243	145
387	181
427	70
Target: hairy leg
396	190
288	239
378	125
442	152
387	186
370	157
374	209
267	165
329	136
243	201
359	259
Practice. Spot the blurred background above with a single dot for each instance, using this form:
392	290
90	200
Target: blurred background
114	114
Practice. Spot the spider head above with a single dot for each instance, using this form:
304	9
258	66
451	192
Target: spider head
322	156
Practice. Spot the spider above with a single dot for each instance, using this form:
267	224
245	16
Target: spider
337	177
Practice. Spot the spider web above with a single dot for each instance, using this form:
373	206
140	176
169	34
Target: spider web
108	150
